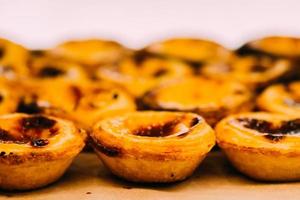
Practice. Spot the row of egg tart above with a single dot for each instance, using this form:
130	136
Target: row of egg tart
64	82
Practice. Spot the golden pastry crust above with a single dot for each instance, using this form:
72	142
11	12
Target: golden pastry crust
91	52
35	150
142	72
191	50
263	146
281	98
273	46
13	60
176	142
212	99
255	72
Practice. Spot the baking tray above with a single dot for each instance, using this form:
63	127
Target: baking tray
215	179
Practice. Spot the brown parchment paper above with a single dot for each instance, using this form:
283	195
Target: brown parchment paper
215	179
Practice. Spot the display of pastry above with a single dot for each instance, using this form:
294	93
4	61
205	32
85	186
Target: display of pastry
263	146
153	146
36	150
52	99
281	98
210	98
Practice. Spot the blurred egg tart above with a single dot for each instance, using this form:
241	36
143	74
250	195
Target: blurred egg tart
153	146
141	72
91	52
281	98
255	72
99	101
273	46
212	99
35	150
263	146
47	68
194	51
9	96
13	60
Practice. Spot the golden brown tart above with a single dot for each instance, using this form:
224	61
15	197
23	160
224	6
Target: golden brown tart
99	101
47	68
273	46
91	52
281	98
212	99
13	60
255	72
153	146
263	146
141	72
192	50
35	150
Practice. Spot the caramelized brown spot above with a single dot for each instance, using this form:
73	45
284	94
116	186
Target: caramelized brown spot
160	72
50	71
2	52
29	107
272	131
247	50
158	130
39	142
77	95
1	98
37	122
194	121
115	96
5	135
258	68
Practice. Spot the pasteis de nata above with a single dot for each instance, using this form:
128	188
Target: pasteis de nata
281	98
13	60
255	72
36	150
263	146
212	99
91	52
98	101
152	146
192	50
274	46
142	72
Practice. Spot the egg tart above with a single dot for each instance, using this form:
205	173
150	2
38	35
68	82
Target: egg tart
192	50
13	60
49	69
35	150
99	101
263	146
274	46
212	99
57	98
153	146
255	72
281	98
141	72
91	52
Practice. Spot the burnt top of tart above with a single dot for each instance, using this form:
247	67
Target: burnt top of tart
248	50
270	130
163	129
49	71
34	130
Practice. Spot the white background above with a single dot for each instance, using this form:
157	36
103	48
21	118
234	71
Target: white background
43	23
